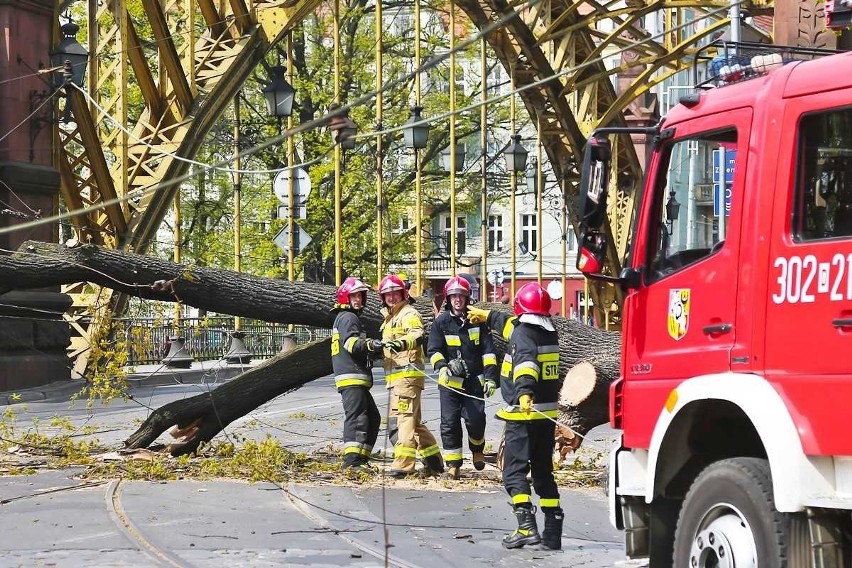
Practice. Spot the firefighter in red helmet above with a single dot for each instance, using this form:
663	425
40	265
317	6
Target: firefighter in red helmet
402	334
350	359
530	385
463	355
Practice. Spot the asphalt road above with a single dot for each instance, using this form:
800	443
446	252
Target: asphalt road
53	518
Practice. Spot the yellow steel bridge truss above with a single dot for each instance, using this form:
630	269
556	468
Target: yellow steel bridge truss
203	50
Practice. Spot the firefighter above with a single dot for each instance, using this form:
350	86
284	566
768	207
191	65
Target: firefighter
529	383
463	355
351	356
402	334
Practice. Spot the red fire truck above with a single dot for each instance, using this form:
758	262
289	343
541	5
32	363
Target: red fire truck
735	397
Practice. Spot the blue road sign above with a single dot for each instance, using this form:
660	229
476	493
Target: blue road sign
730	163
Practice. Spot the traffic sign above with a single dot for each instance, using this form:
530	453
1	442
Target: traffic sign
302	239
284	211
301	185
719	175
495	277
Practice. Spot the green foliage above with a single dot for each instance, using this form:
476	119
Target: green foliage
108	358
207	201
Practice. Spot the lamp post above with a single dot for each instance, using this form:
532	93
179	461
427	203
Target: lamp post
672	211
416	135
279	95
483	144
452	161
237	194
516	161
343	134
534	185
73	58
453	142
380	151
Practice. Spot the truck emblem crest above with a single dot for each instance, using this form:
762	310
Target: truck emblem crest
678	318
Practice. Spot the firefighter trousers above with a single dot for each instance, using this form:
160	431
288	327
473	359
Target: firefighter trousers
528	448
413	435
455	407
360	424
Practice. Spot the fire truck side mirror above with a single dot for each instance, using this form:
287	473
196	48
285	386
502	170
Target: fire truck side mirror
594	181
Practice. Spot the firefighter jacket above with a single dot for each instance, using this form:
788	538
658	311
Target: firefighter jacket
530	366
349	358
451	335
403	322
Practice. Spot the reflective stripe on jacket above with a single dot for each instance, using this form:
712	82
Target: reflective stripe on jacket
349	359
403	322
530	366
450	336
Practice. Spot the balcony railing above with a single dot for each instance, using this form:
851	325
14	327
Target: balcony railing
207	338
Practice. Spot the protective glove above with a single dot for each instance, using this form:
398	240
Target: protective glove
457	367
526	402
476	315
489	387
443	376
395	345
374	345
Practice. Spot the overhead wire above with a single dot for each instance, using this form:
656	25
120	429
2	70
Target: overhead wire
138	193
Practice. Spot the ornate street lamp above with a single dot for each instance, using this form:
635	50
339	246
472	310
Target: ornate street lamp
69	50
516	155
460	157
672	211
415	131
278	93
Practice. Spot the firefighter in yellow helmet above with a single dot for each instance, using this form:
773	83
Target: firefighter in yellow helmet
402	334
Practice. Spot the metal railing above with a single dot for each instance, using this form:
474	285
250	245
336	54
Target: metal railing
206	339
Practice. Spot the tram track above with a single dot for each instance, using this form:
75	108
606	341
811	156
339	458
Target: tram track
133	533
304	509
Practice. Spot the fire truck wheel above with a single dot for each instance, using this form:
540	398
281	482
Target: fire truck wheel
729	519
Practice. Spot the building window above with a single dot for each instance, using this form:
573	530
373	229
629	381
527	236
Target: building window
403	225
572	239
495	233
823	206
461	232
529	232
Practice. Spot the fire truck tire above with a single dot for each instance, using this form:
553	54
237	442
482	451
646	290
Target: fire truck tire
728	518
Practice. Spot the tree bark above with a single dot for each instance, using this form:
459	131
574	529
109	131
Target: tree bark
198	419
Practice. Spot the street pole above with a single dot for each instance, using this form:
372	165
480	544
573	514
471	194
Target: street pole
238	179
418	190
379	148
452	138
291	159
338	157
483	145
513	186
177	251
564	249
539	190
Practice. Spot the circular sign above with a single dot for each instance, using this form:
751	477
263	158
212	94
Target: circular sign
554	288
301	185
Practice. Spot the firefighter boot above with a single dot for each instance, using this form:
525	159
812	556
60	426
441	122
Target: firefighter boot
434	463
551	537
453	472
478	461
527	531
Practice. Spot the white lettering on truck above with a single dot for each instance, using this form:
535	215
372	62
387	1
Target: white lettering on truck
801	280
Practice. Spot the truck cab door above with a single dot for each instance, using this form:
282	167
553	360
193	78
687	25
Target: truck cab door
682	317
808	326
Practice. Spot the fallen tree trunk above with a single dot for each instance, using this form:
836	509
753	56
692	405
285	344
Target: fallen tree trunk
199	418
